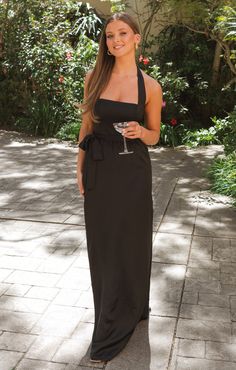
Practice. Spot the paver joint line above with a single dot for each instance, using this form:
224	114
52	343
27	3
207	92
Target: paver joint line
181	297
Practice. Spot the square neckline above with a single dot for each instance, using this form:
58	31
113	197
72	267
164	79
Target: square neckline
125	102
117	101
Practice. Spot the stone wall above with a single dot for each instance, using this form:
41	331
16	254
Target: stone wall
136	9
102	7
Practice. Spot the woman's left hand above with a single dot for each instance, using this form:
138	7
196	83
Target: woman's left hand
133	131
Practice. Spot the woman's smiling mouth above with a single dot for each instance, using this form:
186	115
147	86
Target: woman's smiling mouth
118	47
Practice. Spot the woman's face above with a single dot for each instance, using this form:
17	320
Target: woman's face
120	38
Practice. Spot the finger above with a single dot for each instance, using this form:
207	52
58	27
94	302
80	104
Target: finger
81	189
82	193
133	134
129	131
132	124
135	130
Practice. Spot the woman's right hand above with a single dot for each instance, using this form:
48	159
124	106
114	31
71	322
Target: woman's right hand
80	183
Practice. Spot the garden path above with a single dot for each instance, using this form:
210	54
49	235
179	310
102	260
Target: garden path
46	304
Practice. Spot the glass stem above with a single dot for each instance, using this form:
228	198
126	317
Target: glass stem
125	145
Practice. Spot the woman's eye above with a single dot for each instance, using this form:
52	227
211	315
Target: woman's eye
110	36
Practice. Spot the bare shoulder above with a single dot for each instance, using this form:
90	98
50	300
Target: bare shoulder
152	86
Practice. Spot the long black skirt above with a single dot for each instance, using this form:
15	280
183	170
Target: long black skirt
118	216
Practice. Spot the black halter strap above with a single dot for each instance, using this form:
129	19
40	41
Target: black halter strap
141	89
141	93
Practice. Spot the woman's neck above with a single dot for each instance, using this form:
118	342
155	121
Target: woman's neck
125	66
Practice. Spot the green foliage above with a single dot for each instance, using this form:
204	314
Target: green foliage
69	131
43	118
225	29
55	74
188	55
87	22
201	137
171	135
223	175
196	42
46	55
223	170
214	19
222	132
173	112
200	14
229	136
173	85
226	23
117	6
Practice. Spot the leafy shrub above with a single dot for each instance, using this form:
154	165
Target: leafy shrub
195	138
69	131
171	135
226	131
223	175
187	54
222	172
172	86
56	77
173	112
42	117
222	132
46	55
229	139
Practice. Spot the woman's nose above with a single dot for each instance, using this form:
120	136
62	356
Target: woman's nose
117	38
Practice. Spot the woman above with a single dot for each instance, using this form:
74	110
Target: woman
117	189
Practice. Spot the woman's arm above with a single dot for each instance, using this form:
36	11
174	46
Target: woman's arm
151	133
86	128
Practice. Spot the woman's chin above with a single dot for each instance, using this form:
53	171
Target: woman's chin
122	53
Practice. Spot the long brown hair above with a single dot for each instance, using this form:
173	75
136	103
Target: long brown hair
101	73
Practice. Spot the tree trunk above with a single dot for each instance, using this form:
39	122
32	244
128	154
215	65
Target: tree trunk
1	44
3	27
216	65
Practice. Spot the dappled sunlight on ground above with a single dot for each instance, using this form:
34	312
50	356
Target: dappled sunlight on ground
46	299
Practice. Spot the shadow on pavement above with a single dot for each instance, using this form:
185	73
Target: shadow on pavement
42	232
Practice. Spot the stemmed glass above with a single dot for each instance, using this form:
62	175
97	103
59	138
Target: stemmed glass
119	126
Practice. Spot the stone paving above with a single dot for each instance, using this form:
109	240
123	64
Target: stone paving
46	307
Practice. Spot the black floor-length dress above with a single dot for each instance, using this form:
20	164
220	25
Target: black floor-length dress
118	216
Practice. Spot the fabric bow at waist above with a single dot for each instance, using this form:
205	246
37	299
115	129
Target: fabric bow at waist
92	144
